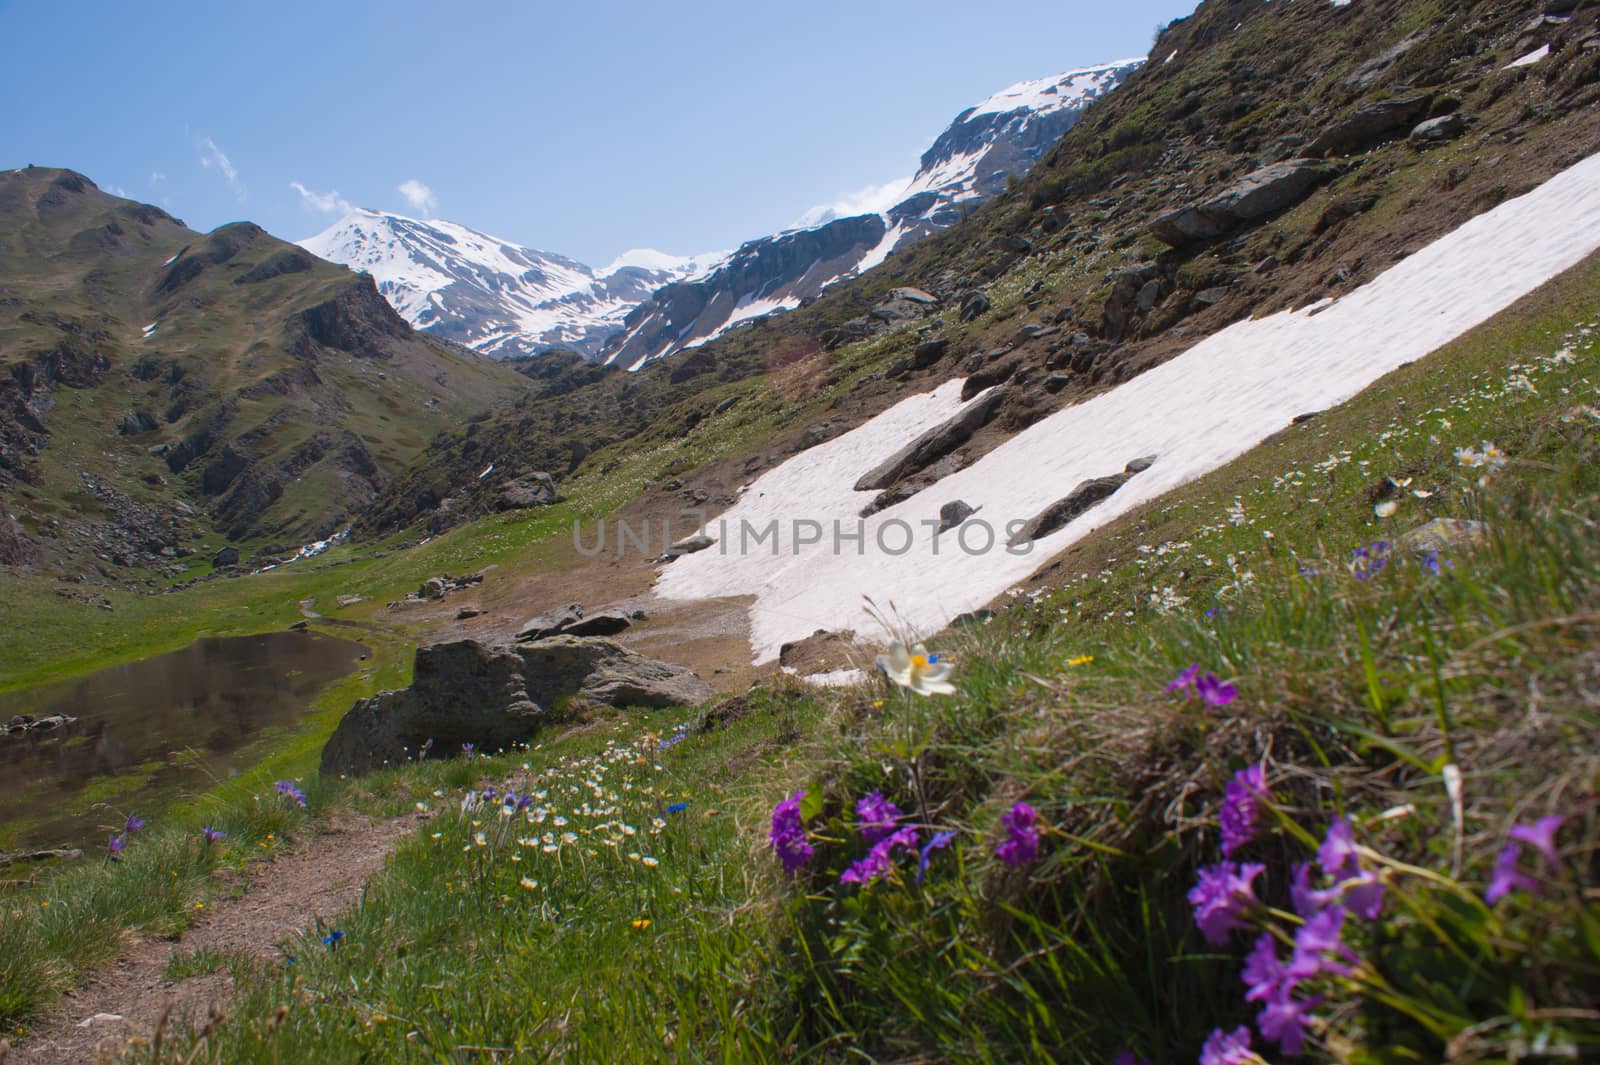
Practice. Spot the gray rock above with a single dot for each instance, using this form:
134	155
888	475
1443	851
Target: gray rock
915	295
1058	514
953	513
228	556
690	544
529	490
1056	382
494	697
931	445
551	622
994	373
1445	534
974	305
1371	125
814	435
1255	196
608	623
1437	131
433	588
138	421
1140	464
929	352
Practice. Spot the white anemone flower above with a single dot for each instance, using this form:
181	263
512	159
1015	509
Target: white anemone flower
916	669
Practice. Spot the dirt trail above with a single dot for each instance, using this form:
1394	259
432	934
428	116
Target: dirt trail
321	877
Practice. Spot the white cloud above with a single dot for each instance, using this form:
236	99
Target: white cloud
214	158
873	199
419	196
321	202
157	177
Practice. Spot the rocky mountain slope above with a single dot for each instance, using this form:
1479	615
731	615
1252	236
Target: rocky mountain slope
499	298
1270	156
162	388
968	164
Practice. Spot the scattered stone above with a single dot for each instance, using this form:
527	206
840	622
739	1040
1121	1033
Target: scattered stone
953	513
28	725
994	373
1140	464
1256	196
350	600
1437	131
1445	534
300	626
822	652
974	305
1058	514
432	588
725	405
551	622
914	295
1056	382
1371	125
972	617
228	556
608	623
690	544
496	696
67	853
468	612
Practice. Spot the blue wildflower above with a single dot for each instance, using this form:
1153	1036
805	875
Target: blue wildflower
939	841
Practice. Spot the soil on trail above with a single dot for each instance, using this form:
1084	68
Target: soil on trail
323	876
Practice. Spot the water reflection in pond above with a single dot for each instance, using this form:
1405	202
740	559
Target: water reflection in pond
149	731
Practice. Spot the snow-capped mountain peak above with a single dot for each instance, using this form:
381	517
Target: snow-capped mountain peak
504	299
491	294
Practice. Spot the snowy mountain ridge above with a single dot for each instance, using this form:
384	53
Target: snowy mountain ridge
505	300
495	296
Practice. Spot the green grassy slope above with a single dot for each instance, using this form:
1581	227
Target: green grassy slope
1364	692
152	369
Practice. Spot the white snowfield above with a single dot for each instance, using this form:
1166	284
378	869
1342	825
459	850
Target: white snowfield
1195	412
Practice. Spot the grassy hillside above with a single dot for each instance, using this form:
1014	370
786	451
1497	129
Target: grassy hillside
1430	699
166	389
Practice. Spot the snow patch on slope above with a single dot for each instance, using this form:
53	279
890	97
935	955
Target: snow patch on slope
1196	412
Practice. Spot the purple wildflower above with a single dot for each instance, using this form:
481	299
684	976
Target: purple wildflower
939	841
1213	691
880	859
878	816
114	845
1507	877
212	834
1264	974
1127	1057
788	835
133	824
1315	941
1306	899
1241	801
1367	562
1228	1048
1361	890
1221	896
1541	836
467	749
1284	1020
1185	679
1021	844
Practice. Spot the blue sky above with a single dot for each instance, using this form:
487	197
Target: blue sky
584	129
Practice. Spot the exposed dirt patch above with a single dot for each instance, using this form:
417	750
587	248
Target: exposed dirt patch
128	999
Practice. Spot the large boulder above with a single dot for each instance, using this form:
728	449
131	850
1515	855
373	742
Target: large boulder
1254	197
932	445
1371	125
529	490
1058	514
493	697
551	622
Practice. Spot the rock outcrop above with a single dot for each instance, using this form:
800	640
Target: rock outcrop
468	692
1255	197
